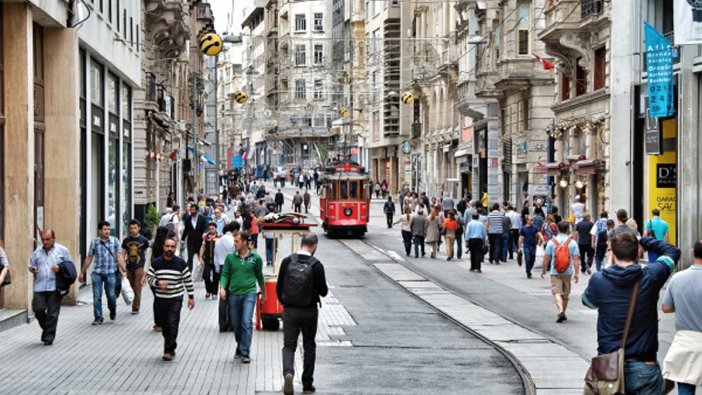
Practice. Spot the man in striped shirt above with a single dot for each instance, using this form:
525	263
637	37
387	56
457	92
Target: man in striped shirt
170	277
494	230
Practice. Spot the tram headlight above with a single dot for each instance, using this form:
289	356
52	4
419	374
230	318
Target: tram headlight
348	211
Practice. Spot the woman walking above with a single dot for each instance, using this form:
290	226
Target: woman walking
433	233
406	229
449	228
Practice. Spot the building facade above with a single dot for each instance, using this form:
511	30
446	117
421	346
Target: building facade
67	164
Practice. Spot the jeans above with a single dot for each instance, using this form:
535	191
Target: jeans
106	281
476	253
586	255
241	309
506	246
211	278
407	240
459	245
46	307
643	379
167	316
269	250
495	240
418	241
686	389
529	257
513	242
134	276
600	252
296	320
388	217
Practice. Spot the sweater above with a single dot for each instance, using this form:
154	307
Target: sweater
175	273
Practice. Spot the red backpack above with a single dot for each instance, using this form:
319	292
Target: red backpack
561	256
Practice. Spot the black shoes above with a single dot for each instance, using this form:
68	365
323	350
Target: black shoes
309	390
561	318
98	321
113	314
288	385
48	342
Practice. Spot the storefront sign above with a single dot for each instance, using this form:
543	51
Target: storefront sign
659	69
653	133
521	147
687	21
465	167
662	181
666	175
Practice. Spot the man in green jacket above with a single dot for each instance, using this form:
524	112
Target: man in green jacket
242	270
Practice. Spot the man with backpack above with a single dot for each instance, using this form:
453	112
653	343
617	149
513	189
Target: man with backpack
389	210
301	281
563	255
599	239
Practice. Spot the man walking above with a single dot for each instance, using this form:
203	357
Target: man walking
279	200
515	227
529	238
598	235
683	363
104	252
301	282
562	252
242	270
475	238
297	202
583	229
170	278
44	265
656	228
448	205
494	230
418	224
194	227
207	258
223	247
134	249
389	210
610	292
306	198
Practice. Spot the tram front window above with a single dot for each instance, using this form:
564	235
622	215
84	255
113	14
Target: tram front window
353	188
344	188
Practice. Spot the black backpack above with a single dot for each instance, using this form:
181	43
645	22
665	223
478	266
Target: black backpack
298	289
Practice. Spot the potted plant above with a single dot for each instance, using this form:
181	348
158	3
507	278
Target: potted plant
151	220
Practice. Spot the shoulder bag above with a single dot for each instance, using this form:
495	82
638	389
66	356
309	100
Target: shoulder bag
606	373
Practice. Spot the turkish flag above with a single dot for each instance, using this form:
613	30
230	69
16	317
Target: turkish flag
547	65
172	155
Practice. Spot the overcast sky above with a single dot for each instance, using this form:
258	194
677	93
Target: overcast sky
228	14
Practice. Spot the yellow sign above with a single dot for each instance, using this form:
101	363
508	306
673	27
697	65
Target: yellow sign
662	182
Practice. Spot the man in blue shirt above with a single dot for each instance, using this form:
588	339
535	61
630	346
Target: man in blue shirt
105	253
475	238
657	228
609	291
44	264
529	238
560	282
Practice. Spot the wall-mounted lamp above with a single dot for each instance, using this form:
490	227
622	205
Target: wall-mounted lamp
563	183
579	184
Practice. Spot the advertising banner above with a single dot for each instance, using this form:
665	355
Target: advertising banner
687	21
659	69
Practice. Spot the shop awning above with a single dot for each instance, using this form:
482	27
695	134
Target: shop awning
460	152
587	167
554	168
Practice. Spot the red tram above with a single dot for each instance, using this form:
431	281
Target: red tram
345	199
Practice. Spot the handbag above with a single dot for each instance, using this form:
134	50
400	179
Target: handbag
8	278
606	373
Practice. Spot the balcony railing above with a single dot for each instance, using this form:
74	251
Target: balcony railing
590	8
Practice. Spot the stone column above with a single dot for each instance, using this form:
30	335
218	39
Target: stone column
19	150
62	148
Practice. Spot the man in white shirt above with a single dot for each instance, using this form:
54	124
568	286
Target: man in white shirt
578	209
224	246
515	225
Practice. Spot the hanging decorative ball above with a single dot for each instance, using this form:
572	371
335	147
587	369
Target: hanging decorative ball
211	44
241	97
407	97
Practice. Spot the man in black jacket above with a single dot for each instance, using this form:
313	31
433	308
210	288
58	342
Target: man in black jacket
279	200
194	227
300	298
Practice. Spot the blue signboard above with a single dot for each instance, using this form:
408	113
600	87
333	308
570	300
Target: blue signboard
237	162
659	68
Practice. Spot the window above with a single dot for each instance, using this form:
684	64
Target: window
96	84
319	121
600	71
525	114
317	89
523	28
300	58
300	23
565	87
318	54
496	40
580	79
113	94
318	22
300	91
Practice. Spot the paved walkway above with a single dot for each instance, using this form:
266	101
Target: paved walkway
125	355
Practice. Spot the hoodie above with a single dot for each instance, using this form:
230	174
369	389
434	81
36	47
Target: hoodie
609	291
